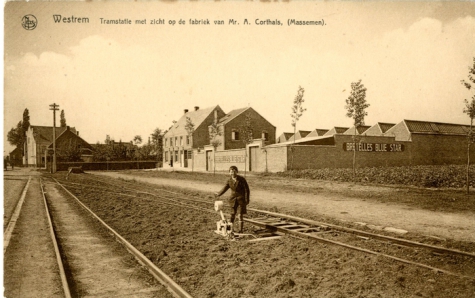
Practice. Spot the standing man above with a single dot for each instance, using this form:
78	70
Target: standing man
239	198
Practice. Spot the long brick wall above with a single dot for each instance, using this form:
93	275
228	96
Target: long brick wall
440	149
276	159
372	151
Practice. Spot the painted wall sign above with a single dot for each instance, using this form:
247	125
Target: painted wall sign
229	158
373	147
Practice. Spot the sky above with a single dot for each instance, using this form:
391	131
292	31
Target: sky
127	80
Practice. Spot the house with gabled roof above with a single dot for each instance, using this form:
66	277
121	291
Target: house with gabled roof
184	150
71	147
16	156
378	129
178	143
39	139
232	124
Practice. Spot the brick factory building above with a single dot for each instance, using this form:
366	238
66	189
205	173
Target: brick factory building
409	142
185	149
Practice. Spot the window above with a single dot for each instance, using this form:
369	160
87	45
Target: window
265	135
176	141
166	156
166	142
189	153
188	140
235	135
176	154
181	141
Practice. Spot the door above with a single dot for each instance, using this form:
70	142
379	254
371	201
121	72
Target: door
209	161
253	158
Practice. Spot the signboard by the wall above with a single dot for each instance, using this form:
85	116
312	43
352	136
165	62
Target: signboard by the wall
229	158
373	147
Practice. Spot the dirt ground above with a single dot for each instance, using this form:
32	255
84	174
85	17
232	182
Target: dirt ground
183	244
447	225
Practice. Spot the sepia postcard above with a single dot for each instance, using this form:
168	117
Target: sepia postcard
263	93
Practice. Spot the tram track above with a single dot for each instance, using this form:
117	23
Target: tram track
281	224
62	271
7	234
335	227
76	282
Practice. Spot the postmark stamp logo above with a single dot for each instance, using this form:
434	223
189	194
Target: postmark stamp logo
29	22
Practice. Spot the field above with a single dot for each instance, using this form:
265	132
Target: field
183	244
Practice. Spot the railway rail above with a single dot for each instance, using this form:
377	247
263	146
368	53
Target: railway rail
172	287
12	219
277	224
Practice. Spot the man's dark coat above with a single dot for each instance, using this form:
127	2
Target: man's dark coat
239	191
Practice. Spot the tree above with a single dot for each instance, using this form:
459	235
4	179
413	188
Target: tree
190	128
146	151
69	152
100	152
245	132
356	109
62	119
470	111
297	112
26	121
16	135
137	142
214	134
157	141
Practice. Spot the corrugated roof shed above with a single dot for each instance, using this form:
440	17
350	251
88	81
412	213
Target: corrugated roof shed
427	127
284	137
361	129
378	129
317	133
335	130
385	126
299	135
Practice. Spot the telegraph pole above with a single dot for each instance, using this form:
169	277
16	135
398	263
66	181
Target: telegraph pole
54	107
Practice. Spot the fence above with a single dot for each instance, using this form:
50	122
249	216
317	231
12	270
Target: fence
108	166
